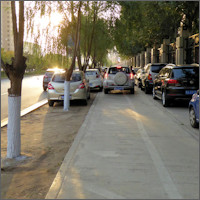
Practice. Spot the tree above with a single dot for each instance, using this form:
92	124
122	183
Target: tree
146	24
15	72
69	71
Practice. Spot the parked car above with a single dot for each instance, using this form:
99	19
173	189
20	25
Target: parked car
150	70
135	69
79	87
138	76
176	82
119	78
47	77
194	110
95	79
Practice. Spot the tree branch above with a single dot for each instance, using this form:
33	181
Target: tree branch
14	22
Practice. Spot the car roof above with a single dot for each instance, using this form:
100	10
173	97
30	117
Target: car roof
158	64
92	69
119	66
181	66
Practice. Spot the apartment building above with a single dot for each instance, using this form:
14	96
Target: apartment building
7	41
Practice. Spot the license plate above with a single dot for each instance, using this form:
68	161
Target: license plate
90	84
62	97
189	92
118	88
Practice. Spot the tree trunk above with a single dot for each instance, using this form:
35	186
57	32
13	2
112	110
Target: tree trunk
79	58
15	73
91	39
69	71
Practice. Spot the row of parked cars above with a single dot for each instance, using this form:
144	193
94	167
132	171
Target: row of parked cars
80	84
168	82
112	78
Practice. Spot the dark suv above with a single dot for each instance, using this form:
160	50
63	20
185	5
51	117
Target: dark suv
176	82
150	70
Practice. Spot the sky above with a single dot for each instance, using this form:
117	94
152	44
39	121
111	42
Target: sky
50	23
41	24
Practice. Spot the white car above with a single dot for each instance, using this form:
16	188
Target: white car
119	78
95	79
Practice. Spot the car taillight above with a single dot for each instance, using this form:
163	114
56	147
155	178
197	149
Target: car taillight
149	77
50	87
81	86
172	82
131	76
119	67
106	76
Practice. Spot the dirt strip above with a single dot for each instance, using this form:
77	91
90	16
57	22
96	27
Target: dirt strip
46	136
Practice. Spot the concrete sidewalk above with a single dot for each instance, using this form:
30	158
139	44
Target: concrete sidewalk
116	156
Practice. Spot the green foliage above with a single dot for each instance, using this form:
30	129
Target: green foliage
145	24
6	56
102	41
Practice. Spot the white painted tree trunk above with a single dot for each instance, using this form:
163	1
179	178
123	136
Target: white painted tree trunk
13	128
66	95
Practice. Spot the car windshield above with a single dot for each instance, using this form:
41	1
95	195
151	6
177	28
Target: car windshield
114	70
186	72
91	73
49	74
156	68
75	77
60	78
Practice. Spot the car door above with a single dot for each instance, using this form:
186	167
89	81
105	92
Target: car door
158	82
197	106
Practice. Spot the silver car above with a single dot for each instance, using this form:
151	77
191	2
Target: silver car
95	79
79	88
119	78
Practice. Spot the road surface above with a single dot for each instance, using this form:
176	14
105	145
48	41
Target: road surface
130	147
32	92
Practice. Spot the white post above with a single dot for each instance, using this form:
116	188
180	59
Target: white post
13	130
66	95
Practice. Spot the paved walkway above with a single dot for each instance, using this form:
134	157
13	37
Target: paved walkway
125	150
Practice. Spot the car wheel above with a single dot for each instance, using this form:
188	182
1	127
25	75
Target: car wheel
105	91
120	78
193	120
154	94
50	102
100	89
44	88
88	96
85	102
132	91
165	102
146	90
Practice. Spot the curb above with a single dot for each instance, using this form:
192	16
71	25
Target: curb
26	111
61	174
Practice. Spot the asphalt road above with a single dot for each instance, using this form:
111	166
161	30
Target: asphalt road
32	92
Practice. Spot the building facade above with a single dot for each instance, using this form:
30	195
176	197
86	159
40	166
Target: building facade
7	40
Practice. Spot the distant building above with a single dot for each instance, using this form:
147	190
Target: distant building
7	40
